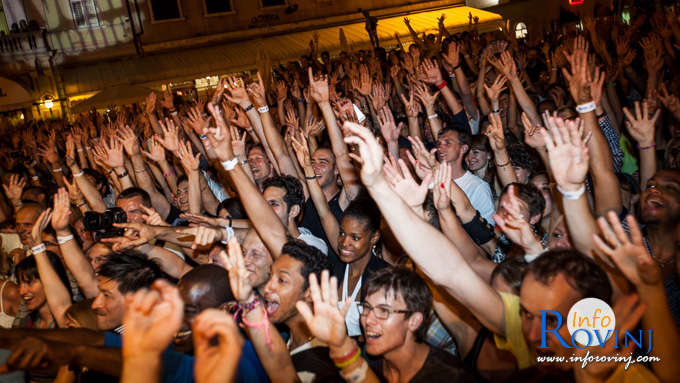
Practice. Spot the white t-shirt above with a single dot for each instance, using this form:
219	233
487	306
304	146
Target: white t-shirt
479	194
307	237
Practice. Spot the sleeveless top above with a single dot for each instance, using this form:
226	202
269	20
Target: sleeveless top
6	320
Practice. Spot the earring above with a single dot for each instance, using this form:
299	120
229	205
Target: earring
373	251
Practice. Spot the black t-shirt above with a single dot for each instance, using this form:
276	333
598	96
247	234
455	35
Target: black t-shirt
311	220
313	364
440	366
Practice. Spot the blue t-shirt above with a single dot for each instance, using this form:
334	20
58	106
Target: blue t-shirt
179	367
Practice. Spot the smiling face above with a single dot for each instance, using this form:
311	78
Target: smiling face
109	305
477	159
355	240
259	164
182	196
285	287
323	163
386	335
660	201
25	218
31	291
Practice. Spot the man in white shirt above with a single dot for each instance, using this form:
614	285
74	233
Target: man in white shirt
452	145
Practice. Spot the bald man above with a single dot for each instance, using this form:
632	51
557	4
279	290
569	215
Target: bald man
25	218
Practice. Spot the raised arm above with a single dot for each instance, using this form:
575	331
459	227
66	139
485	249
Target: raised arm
426	246
190	163
641	127
506	66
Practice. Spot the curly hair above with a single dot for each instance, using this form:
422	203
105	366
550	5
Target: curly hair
294	192
313	261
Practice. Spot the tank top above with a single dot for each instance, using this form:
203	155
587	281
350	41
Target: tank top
352	319
6	320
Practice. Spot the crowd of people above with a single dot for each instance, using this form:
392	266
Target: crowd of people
414	214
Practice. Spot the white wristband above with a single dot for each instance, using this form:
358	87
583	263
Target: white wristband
572	195
231	164
79	174
230	234
587	107
452	75
39	248
263	109
64	239
432	116
35	178
57	170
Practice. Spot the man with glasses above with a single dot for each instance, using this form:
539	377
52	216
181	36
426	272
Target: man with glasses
452	146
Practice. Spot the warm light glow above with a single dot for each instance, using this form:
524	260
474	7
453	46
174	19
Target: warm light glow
48	103
21	116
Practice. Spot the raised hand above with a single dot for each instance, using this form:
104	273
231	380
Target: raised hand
74	193
669	100
628	253
39	226
495	132
425	97
326	321
362	84
380	93
399	177
189	161
238	274
430	73
62	210
128	139
196	120
498	86
150	103
70	156
281	92
301	150
596	83
15	188
111	153
156	151
318	87
257	91
217	347
203	235
441	192
237	91
204	220
641	126
505	65
411	105
152	318
579	78
452	55
220	140
313	127
370	152
567	152
170	139
136	234
388	128
49	152
238	143
423	161
151	217
532	137
515	225
166	101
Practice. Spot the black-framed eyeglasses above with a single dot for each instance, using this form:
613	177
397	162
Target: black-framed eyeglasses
380	312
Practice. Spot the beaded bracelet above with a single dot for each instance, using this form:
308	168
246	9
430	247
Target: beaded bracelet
647	147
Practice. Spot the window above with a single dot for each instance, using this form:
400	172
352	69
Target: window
84	13
520	30
215	7
272	3
165	10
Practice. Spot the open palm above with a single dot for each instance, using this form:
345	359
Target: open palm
567	152
327	322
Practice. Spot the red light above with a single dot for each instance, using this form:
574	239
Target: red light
575	2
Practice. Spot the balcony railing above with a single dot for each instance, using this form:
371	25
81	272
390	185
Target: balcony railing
24	43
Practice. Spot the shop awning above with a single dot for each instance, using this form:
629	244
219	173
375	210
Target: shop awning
189	64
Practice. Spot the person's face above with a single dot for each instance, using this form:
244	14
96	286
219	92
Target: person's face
132	207
182	196
355	240
522	174
274	196
97	255
31	291
558	296
109	305
660	201
324	168
559	238
196	298
477	159
25	218
386	335
257	259
449	148
673	157
85	236
542	183
259	164
284	288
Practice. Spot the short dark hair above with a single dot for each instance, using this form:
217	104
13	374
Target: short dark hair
408	284
464	137
136	192
581	272
256	146
312	259
364	208
295	195
27	270
521	157
511	270
131	270
530	195
214	276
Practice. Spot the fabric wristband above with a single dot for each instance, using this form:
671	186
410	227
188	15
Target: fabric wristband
572	195
39	248
442	85
230	234
347	357
35	178
432	116
351	360
79	174
653	145
58	170
587	107
64	239
263	109
203	137
452	75
249	107
357	375
231	164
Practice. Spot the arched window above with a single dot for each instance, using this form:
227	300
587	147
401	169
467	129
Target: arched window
520	30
